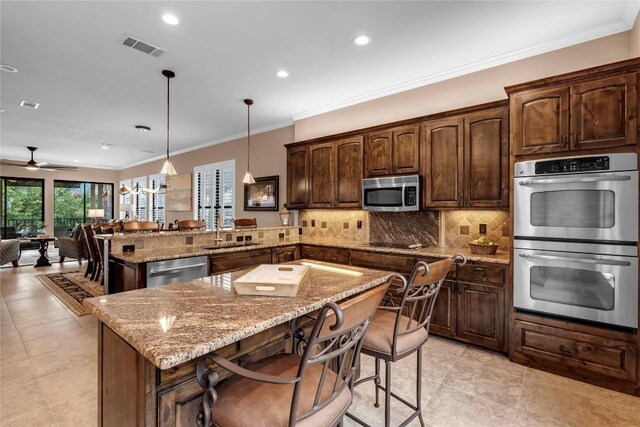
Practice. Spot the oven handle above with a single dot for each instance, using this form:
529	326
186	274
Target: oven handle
576	259
574	180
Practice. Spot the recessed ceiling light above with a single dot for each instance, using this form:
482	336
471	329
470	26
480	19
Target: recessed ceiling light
1	110
170	19
105	146
8	68
30	104
361	40
282	74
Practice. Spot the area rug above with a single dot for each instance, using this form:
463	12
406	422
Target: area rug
71	288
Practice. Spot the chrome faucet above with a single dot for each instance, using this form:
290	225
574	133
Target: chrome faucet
218	239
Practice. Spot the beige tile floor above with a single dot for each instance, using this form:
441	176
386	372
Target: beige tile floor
48	375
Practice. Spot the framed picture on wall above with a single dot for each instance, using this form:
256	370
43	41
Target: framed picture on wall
263	195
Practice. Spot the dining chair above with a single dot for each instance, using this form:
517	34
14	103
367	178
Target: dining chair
400	328
140	226
94	263
311	389
191	224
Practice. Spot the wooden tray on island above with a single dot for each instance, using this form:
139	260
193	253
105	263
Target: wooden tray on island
272	280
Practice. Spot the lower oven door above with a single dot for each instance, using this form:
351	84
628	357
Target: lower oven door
599	288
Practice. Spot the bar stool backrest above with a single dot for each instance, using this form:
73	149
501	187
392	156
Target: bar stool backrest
191	224
138	226
335	343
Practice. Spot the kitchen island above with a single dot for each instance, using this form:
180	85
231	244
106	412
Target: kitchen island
150	339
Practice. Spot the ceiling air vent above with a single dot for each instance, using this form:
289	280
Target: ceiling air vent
143	46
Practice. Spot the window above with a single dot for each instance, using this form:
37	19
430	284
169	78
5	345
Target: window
156	201
125	199
72	201
213	193
140	199
22	207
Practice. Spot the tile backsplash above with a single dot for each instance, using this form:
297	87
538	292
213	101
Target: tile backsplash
460	227
335	224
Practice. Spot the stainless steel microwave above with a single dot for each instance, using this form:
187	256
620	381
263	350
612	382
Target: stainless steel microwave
391	194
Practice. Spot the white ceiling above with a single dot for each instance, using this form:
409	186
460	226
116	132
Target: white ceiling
93	90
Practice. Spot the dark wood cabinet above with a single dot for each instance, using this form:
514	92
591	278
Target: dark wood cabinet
406	150
486	159
285	254
297	177
320	253
223	263
540	121
321	175
443	162
445	310
381	261
348	172
378	157
604	113
481	315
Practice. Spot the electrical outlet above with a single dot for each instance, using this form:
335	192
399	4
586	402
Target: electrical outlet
359	224
239	239
313	222
482	229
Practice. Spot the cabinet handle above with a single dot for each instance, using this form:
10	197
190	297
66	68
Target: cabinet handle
480	271
566	352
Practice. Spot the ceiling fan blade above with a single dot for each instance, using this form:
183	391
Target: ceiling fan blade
7	162
60	167
40	164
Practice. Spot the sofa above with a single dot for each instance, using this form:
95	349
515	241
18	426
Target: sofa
10	252
73	246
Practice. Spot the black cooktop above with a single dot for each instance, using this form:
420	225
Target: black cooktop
397	245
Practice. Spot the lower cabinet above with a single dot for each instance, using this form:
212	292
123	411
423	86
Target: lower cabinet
380	261
471	306
320	253
285	254
239	260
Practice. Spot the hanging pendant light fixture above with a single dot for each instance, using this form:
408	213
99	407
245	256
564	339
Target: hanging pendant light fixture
248	178
167	168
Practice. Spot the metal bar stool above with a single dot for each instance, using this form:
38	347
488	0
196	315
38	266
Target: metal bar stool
401	327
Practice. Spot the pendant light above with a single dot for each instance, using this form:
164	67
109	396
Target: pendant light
248	178
167	168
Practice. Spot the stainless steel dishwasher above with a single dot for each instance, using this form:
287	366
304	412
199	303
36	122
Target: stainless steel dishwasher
175	270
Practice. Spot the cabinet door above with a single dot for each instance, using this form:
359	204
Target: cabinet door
406	150
337	255
443	318
312	252
486	159
297	177
378	154
540	120
443	156
287	254
348	177
239	260
481	315
604	113
321	175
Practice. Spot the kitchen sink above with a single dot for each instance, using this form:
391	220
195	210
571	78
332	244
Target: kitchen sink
229	245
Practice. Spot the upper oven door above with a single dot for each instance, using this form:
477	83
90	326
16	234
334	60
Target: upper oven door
600	288
594	206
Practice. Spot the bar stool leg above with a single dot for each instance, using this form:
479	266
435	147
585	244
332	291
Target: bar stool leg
387	394
376	381
419	387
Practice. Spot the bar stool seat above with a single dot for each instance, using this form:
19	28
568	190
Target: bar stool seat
267	404
379	337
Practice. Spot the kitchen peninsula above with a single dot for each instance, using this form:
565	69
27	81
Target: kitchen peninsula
151	339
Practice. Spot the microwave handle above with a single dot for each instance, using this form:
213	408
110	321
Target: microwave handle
403	190
574	180
576	259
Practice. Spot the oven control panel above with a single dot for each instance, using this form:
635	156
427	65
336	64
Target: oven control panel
572	165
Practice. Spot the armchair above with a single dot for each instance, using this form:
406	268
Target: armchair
73	246
10	252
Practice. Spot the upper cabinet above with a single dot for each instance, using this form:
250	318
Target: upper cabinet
393	152
321	175
486	159
297	177
465	161
592	114
348	172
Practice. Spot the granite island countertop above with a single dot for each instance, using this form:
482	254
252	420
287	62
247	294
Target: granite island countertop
149	255
173	324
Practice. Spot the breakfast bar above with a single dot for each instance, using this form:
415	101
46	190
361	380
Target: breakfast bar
151	339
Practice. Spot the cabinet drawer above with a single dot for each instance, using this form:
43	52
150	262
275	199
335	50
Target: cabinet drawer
580	352
382	261
312	252
238	261
481	274
339	256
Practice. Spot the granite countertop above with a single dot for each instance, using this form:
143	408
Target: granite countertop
173	324
149	255
164	233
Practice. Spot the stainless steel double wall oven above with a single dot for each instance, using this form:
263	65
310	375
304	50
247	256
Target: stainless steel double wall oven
576	238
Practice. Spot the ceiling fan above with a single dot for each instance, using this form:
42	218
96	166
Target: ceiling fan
32	165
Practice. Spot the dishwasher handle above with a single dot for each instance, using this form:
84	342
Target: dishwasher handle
182	267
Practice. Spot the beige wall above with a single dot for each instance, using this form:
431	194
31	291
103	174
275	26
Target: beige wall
82	174
476	88
268	157
635	38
